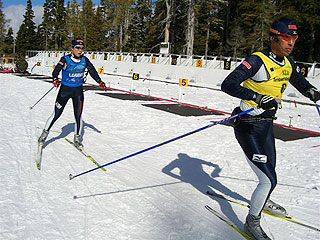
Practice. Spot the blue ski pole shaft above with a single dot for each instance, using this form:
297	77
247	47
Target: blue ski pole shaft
163	143
317	106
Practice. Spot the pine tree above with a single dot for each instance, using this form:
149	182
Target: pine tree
169	21
52	29
155	34
26	36
95	30
74	25
139	26
9	42
305	13
59	24
254	18
3	23
45	28
209	29
118	19
178	29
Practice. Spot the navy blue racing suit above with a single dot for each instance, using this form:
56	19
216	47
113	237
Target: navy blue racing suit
254	131
73	73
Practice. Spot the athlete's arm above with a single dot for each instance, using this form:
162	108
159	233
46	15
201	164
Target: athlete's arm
232	83
58	68
92	71
298	80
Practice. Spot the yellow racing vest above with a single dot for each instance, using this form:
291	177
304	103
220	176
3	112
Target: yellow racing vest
276	82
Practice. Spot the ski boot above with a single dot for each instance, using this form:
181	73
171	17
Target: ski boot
43	136
275	208
253	228
77	143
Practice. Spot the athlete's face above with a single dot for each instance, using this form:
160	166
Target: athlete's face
284	45
77	50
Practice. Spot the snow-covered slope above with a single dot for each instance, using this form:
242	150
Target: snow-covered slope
155	195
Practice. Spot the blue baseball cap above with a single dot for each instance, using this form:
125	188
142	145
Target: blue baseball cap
284	25
76	42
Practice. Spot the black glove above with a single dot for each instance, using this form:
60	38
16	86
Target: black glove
313	94
265	102
56	82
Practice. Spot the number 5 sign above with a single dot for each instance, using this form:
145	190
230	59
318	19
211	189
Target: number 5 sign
183	82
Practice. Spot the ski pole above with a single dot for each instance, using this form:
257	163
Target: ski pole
163	143
42	97
317	106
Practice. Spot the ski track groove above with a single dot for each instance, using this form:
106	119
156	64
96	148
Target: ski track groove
54	215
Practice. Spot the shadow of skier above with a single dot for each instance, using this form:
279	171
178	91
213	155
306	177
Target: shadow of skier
69	128
191	172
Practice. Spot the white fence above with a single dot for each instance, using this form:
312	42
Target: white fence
199	70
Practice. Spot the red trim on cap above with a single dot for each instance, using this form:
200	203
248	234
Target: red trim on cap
292	27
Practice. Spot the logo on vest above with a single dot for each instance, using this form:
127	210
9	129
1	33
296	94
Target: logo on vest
285	72
259	158
75	75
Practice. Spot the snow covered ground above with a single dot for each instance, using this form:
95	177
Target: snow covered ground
156	195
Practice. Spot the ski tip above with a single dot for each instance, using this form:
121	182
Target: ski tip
288	216
208	207
71	176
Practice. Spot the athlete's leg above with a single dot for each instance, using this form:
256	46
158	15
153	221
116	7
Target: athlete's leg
61	101
77	101
257	142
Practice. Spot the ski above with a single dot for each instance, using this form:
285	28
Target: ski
39	155
228	222
244	204
85	154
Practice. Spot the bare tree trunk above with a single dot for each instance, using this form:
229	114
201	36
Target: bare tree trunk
120	37
126	26
207	40
169	4
190	29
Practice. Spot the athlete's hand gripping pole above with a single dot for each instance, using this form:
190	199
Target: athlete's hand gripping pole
163	143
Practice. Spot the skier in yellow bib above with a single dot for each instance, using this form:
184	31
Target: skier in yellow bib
259	81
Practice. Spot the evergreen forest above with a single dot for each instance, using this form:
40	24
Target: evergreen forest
232	28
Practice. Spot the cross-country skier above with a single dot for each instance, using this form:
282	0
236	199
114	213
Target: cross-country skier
73	68
260	81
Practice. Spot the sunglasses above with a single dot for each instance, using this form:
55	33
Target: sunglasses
79	47
288	38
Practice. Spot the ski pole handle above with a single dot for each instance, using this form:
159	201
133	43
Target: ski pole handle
41	97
